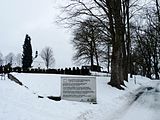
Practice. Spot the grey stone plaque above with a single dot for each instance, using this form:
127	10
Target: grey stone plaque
82	89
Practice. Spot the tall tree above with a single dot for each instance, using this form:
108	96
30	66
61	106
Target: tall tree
10	58
47	56
89	42
27	53
105	11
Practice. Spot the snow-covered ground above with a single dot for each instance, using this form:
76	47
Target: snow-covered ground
141	96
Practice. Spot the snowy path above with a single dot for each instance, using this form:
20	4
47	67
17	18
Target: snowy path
145	106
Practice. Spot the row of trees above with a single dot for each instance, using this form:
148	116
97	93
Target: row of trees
26	59
123	31
11	58
146	41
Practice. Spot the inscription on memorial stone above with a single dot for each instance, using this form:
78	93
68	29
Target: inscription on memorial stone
81	89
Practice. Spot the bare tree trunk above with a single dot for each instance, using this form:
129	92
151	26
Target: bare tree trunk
94	47
149	66
124	42
91	55
156	57
96	54
128	40
158	12
108	66
155	63
117	75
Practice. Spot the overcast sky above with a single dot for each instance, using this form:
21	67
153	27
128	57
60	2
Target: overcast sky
36	18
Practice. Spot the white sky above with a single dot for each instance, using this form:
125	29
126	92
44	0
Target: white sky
36	18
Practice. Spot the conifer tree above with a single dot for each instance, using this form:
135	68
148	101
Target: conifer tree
27	53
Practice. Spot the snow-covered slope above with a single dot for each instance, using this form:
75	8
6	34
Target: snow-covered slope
20	103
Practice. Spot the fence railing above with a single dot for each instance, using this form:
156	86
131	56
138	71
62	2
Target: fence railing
69	71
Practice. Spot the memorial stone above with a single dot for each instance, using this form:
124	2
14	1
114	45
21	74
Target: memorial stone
82	89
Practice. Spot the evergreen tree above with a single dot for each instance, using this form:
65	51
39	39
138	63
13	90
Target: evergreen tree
27	53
